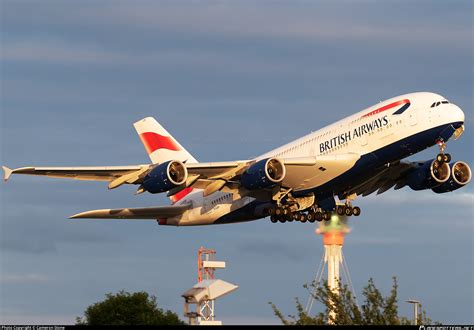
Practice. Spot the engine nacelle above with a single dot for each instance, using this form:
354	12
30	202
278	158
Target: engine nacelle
265	173
460	176
429	175
165	176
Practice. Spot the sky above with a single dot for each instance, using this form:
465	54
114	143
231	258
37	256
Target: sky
230	80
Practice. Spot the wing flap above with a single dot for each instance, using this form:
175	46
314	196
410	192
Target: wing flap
152	213
216	170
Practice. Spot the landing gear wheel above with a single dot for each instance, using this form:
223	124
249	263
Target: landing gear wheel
273	219
446	158
356	211
327	216
318	216
348	211
302	217
340	209
286	214
279	211
291	217
282	220
436	164
440	158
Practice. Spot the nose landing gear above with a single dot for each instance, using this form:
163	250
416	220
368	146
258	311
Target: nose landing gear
442	158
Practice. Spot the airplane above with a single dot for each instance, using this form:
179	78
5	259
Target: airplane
299	181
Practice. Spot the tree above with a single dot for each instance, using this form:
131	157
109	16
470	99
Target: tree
376	309
126	308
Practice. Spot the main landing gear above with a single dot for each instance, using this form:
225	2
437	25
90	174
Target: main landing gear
348	210
284	214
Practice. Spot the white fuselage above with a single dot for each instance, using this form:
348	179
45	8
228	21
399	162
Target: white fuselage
363	133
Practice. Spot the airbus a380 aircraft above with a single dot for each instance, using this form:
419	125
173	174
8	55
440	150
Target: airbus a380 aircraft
298	181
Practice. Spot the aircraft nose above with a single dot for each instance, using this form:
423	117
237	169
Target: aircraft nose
458	116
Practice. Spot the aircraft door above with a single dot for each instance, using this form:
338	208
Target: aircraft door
412	119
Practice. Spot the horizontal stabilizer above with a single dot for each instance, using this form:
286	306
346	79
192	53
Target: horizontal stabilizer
6	173
153	213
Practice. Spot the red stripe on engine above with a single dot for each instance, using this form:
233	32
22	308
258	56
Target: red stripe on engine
386	107
153	141
183	193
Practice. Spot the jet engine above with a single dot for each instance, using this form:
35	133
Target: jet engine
429	175
265	173
165	176
460	176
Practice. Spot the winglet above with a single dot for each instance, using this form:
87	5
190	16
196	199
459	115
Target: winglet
6	173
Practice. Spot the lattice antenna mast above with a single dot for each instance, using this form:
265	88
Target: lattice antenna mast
205	273
204	294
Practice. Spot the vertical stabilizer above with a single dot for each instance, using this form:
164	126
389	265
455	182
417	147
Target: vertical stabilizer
159	144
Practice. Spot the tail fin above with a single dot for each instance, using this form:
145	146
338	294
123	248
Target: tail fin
159	144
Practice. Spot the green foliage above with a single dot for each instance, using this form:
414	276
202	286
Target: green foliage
376	309
126	308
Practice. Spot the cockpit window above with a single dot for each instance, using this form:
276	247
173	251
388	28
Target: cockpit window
435	104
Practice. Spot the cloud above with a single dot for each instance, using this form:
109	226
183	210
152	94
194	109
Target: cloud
28	244
300	21
406	196
359	239
24	278
272	249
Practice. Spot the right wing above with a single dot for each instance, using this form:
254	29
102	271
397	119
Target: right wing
154	213
383	179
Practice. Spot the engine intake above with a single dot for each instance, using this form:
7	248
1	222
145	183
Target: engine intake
461	175
429	175
265	173
165	176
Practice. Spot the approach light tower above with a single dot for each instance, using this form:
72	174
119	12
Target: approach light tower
206	291
333	232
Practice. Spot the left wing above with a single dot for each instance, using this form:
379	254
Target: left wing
124	174
301	172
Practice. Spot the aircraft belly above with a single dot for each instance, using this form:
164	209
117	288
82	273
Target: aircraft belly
207	215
